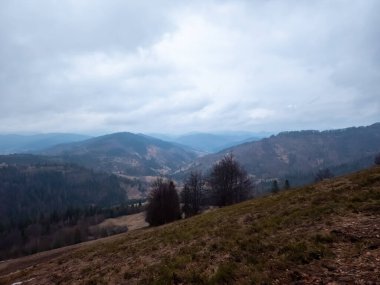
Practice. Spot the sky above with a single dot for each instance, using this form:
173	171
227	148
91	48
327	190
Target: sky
101	66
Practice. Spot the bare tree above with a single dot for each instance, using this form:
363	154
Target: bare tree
191	195
229	182
323	174
163	203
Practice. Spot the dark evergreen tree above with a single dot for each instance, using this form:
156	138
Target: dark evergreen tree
229	182
163	203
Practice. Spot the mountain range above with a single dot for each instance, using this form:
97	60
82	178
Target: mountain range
299	154
125	153
14	143
295	155
42	191
213	142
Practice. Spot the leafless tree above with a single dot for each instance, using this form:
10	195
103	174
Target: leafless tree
229	182
192	193
163	203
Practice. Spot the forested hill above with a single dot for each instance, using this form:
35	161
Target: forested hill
13	143
300	154
211	143
28	192
126	153
47	205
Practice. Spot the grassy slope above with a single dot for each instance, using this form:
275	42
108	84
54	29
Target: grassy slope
328	231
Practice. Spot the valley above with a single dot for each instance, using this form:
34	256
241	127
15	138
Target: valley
190	142
80	191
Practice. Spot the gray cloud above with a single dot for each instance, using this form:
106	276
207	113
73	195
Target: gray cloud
102	66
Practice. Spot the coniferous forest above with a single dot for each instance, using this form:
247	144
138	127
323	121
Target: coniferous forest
45	206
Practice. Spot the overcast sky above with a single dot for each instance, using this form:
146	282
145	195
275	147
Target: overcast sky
99	66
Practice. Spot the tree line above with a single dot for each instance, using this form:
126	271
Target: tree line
227	183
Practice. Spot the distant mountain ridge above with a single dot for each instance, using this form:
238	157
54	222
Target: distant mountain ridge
212	142
296	154
301	153
125	153
13	143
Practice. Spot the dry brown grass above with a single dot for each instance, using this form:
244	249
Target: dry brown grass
133	222
316	234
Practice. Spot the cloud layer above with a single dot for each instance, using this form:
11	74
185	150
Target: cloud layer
171	66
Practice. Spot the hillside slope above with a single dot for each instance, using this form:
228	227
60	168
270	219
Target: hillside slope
28	191
214	142
317	234
135	188
299	155
126	153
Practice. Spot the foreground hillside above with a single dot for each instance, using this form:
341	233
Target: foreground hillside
317	234
298	155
